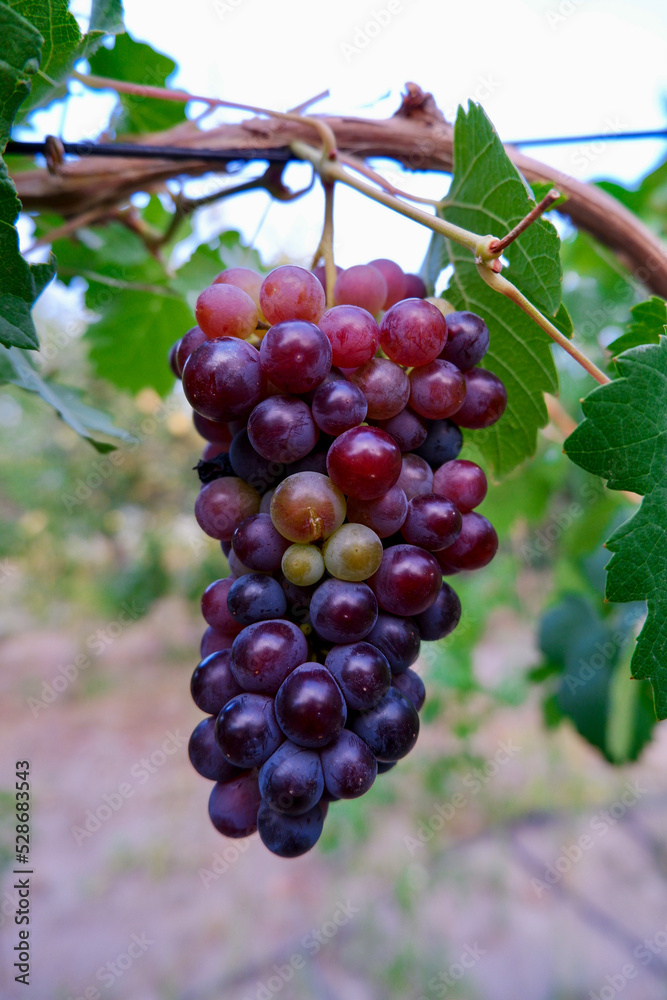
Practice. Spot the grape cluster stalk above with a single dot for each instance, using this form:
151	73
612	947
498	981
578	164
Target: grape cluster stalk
332	480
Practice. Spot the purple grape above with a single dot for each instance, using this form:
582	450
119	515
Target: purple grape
475	547
462	482
295	356
362	673
264	654
282	429
385	386
349	766
223	379
289	836
205	754
408	429
391	728
255	598
398	639
437	390
411	687
214	606
413	332
187	345
416	476
337	406
310	707
385	515
258	545
214	431
213	683
432	522
213	641
233	805
408	580
291	780
342	611
261	473
443	443
485	402
246	730
467	340
442	617
222	504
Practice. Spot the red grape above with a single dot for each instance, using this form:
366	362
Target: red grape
437	390
222	379
364	462
462	482
475	547
291	292
485	402
353	333
408	580
361	285
385	386
395	278
226	311
413	332
295	356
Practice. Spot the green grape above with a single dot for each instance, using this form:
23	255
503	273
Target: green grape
353	553
303	564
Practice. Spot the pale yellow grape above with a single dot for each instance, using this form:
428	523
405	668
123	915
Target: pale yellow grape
303	564
353	552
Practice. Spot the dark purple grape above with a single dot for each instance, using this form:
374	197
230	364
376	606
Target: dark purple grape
172	359
386	765
205	754
442	617
298	599
265	653
411	687
443	443
213	683
222	504
475	547
282	429
385	386
214	606
187	345
342	611
223	379
214	640
408	429
246	730
214	431
398	639
391	728
349	766
408	580
314	461
295	356
261	473
416	476
258	545
233	806
467	340
337	406
385	515
310	707
414	287
291	780
463	482
432	522
485	402
256	597
362	673
289	836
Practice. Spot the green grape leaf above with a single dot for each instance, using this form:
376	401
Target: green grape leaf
106	16
488	195
649	320
136	62
623	439
16	367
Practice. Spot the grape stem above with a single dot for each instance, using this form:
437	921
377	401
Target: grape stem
325	246
497	246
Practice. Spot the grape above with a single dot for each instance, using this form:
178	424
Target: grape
415	287
463	482
291	292
391	728
289	836
171	359
233	806
248	464
211	451
385	386
413	332
408	580
222	504
467	340
295	356
416	476
213	641
353	333
408	429
437	390
395	278
384	515
411	687
353	552
314	461
214	606
246	730
298	599
255	598
433	522
485	402
337	406
213	683
307	506
303	565
320	273
244	278
362	673
349	766
342	611
265	505
258	545
386	765
361	285
226	311
310	707
364	462
205	754
188	343
236	567
443	443
475	547
442	617
291	780
213	431
223	379
282	429
263	654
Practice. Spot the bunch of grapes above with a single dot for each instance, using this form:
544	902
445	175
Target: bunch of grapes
332	481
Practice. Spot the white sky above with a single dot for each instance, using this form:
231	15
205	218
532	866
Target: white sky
546	67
